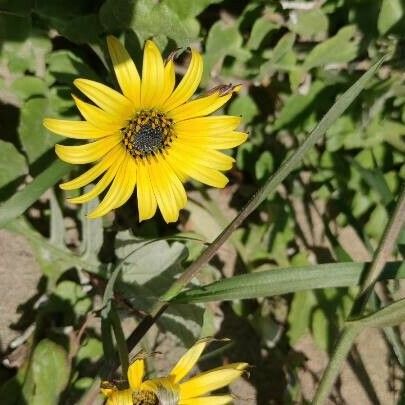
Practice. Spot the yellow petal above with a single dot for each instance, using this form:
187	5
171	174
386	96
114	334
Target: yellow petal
87	177
152	76
219	141
205	157
125	71
188	85
211	400
146	198
163	192
74	129
198	172
199	107
209	125
101	185
136	372
89	152
211	380
107	99
188	360
97	117
120	190
168	82
123	397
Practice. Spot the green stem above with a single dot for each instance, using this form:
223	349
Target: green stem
270	186
120	339
351	329
381	255
343	347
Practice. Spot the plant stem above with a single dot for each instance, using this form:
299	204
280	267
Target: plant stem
270	186
339	355
381	255
351	329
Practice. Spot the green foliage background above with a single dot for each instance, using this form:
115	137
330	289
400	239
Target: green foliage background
293	62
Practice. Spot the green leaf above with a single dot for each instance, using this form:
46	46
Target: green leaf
376	223
145	276
310	23
186	9
244	106
299	315
390	14
35	139
285	280
159	19
22	200
116	14
264	166
283	47
260	29
222	40
50	369
297	105
83	29
28	86
12	164
65	66
341	48
74	295
391	315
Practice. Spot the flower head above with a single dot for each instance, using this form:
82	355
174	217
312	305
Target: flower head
172	390
151	136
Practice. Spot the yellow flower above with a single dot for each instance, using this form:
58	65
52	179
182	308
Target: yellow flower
151	136
172	390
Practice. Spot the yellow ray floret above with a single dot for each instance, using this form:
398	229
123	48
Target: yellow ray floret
150	137
172	390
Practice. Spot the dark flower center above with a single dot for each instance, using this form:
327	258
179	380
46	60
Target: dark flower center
148	133
144	398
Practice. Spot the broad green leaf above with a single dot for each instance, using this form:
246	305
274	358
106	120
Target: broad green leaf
279	281
223	39
376	223
341	48
376	180
320	329
82	29
16	7
244	106
283	47
186	9
260	30
390	14
28	55
299	315
28	86
36	140
65	66
12	164
116	14
145	275
74	296
297	105
264	166
50	369
310	23
14	27
158	19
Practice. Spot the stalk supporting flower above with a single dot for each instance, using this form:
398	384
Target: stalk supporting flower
172	390
151	136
